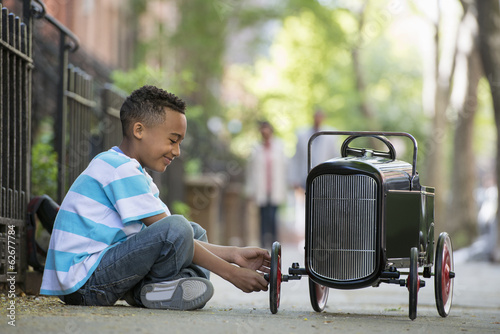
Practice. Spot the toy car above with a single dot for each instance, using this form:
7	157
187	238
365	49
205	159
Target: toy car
368	221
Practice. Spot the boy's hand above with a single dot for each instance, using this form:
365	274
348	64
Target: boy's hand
248	280
247	274
253	258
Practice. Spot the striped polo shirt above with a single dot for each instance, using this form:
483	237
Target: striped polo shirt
103	208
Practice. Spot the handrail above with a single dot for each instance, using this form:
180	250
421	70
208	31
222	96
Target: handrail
365	133
40	11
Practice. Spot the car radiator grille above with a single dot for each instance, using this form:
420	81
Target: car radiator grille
343	225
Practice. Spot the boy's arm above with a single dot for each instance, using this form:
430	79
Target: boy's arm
247	280
153	219
224	252
247	257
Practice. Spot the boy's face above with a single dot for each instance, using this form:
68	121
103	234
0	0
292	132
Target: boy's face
160	144
266	132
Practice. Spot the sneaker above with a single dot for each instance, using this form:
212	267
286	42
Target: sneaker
183	294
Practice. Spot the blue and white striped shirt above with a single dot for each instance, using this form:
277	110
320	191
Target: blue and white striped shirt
103	208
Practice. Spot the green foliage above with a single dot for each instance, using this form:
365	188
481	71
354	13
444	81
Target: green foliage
199	45
181	208
44	161
44	170
485	137
182	83
192	166
189	63
138	6
310	65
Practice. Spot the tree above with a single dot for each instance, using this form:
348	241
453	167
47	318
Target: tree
489	47
365	107
311	64
462	213
443	67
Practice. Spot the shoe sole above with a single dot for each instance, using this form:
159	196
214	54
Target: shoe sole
183	294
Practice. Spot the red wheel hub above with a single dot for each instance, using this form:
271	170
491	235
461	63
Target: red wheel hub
278	279
408	284
445	274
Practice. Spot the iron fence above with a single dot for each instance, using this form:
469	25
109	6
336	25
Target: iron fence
91	124
111	126
16	64
85	122
81	123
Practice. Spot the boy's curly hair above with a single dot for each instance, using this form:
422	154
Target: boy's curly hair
146	105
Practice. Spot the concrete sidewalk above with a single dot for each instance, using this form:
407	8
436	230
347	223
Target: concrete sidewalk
476	308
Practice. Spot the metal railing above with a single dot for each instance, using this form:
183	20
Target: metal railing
81	127
68	96
111	126
15	121
76	131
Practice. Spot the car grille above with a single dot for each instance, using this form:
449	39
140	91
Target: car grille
343	225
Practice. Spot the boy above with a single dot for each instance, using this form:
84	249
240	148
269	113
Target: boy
114	238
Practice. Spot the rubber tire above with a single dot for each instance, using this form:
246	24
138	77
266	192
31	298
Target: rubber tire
318	295
443	284
275	278
413	283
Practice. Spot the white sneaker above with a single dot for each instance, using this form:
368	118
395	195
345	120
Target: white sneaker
183	294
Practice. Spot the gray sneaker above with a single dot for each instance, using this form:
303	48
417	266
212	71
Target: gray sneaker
183	294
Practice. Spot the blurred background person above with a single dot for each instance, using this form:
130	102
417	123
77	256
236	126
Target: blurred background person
266	181
323	148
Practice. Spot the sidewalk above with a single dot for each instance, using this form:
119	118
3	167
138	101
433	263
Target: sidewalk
476	308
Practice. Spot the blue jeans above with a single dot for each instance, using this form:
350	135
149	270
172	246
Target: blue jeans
268	225
161	252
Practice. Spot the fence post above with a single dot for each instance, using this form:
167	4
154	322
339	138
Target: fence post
61	118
